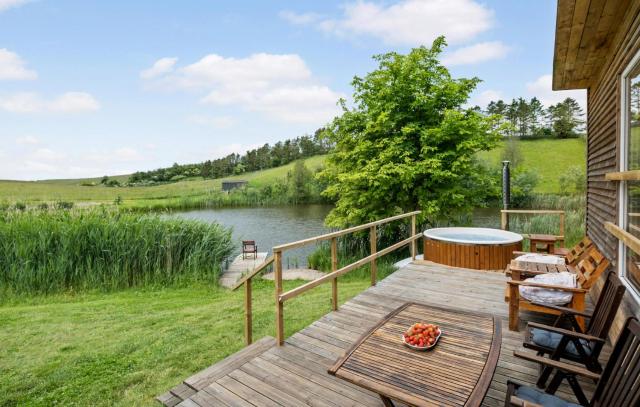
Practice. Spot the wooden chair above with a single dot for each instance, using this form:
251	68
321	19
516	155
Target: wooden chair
249	247
618	385
574	344
572	256
587	271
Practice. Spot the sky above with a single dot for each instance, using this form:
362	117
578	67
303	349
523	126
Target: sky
89	88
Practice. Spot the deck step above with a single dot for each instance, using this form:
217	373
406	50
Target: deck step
202	379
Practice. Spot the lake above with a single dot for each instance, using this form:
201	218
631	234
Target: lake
278	225
270	226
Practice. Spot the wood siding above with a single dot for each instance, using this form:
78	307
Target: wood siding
603	146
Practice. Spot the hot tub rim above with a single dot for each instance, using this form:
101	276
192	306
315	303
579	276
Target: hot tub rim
515	237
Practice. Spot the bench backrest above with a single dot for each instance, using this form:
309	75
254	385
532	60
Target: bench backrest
620	382
607	305
573	257
591	267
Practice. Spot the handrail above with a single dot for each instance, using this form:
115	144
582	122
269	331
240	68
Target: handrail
276	259
252	274
504	219
335	273
625	237
328	236
344	270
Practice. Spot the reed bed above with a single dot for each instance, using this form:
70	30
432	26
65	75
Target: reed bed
54	251
574	226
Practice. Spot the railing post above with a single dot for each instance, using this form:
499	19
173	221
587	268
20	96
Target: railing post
373	243
504	220
413	233
277	256
248	323
562	229
334	267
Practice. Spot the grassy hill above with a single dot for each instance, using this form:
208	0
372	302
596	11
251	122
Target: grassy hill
548	158
73	190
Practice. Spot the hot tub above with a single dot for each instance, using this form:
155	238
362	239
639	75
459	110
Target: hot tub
474	248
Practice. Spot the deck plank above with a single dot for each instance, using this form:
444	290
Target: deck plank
296	373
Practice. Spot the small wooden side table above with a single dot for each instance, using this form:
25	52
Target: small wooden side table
542	243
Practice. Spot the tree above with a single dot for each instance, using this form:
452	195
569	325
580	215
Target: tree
512	152
300	180
566	118
407	143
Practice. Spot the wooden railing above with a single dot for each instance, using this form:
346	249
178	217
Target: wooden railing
332	277
248	300
504	219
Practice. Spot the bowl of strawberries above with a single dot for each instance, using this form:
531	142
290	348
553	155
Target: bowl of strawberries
421	336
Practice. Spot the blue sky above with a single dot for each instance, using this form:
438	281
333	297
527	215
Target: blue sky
89	88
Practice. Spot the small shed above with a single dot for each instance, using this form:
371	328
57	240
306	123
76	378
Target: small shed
230	185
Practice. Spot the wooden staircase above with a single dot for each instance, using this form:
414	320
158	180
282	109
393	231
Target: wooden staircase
200	380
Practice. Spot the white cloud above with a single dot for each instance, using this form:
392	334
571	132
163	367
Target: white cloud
27	140
485	97
29	102
299	19
218	122
476	53
161	66
46	154
127	154
279	86
12	67
235	148
541	88
408	22
7	4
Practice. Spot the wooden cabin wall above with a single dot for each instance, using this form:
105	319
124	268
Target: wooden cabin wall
603	127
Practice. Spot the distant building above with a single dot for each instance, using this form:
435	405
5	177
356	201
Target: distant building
229	185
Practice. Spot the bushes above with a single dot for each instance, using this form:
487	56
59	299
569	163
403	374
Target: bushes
45	252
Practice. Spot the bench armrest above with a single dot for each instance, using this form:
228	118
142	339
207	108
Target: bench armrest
565	332
548	286
566	367
564	310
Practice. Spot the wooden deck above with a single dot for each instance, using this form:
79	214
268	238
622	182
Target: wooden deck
239	267
296	373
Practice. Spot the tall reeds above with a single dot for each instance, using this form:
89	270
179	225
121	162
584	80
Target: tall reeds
51	251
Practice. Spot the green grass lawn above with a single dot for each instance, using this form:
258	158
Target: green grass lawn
548	158
125	348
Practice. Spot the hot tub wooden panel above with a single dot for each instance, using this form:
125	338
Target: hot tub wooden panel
486	256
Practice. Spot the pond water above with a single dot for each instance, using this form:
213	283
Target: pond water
270	227
278	225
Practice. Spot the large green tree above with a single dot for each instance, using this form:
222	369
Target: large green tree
407	142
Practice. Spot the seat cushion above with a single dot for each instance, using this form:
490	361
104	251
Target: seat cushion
536	396
552	340
549	296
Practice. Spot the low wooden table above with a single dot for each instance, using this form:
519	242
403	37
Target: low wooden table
548	243
456	372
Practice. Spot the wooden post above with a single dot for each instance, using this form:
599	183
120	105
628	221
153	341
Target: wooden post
373	243
248	323
413	233
277	258
504	220
334	267
562	229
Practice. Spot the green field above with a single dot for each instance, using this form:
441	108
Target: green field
72	190
549	158
125	348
